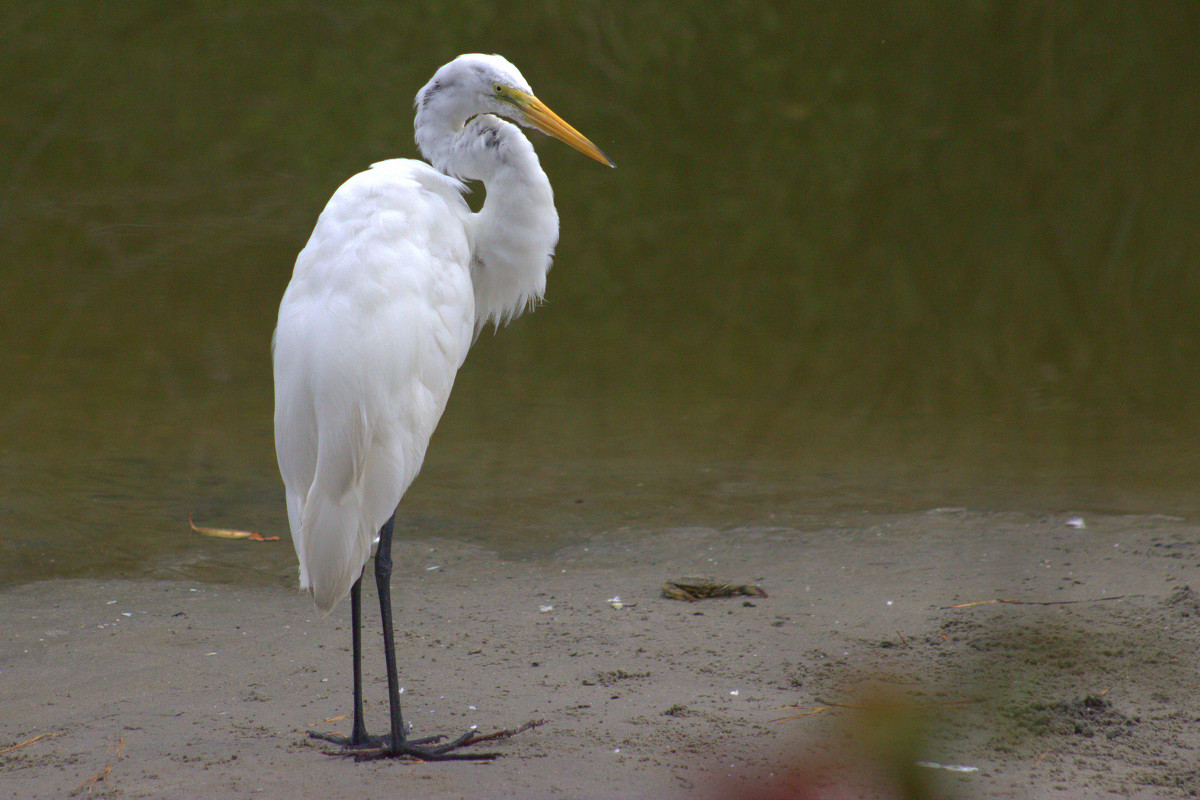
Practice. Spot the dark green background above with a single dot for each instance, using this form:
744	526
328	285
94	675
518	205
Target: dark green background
856	257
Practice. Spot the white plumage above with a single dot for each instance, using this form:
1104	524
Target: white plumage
398	276
374	325
395	282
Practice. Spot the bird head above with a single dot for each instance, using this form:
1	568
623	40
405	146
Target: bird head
475	84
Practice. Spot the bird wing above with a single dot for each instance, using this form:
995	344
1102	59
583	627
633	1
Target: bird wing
375	323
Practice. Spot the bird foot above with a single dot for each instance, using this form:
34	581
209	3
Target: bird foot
371	748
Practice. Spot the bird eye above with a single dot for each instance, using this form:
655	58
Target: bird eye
498	89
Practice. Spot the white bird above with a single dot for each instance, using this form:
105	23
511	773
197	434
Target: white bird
397	279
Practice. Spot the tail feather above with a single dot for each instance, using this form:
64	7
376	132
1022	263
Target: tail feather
336	546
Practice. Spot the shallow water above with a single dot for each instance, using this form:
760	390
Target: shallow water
853	260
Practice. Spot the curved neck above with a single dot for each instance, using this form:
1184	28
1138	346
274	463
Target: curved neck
514	237
514	234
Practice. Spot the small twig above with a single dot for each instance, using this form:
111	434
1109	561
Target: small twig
918	706
976	603
324	722
27	742
1042	602
504	734
970	701
117	750
811	711
99	776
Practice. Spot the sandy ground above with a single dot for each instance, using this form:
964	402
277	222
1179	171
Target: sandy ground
1088	688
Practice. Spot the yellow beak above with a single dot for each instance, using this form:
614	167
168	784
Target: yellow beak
548	122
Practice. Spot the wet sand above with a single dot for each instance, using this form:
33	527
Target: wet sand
881	641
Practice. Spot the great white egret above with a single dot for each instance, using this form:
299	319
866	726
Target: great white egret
395	282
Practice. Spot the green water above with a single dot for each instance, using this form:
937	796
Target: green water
856	258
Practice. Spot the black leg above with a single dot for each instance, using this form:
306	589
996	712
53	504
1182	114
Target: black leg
358	736
383	585
359	744
399	744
